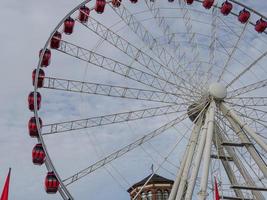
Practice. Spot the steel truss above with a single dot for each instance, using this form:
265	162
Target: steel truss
138	55
122	151
109	90
173	39
121	69
112	119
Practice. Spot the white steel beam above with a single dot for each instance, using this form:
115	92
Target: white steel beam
240	166
109	90
230	112
178	176
207	151
192	146
251	149
197	162
255	62
230	173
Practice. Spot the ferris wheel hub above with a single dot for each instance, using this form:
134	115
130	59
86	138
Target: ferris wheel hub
217	90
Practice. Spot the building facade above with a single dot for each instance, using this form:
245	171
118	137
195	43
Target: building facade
158	188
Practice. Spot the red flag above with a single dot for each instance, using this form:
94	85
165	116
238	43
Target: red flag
4	195
216	190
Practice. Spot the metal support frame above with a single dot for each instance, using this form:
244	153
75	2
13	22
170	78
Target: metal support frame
137	54
192	146
207	152
115	118
247	88
230	112
249	146
109	90
172	37
197	161
241	187
213	43
139	29
221	152
122	151
232	52
178	176
124	70
250	101
240	166
254	63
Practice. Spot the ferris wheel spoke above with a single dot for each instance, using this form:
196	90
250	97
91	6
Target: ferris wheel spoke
171	37
122	151
259	121
247	69
187	19
247	107
109	90
136	26
162	23
112	119
213	44
137	54
250	101
121	69
226	65
248	88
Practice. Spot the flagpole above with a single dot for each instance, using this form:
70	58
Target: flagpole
4	195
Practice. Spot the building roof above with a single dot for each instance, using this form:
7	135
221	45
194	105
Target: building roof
155	179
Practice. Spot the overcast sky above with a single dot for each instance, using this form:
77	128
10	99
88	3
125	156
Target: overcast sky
25	26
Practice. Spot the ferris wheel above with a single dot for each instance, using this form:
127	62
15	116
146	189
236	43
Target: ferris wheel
180	82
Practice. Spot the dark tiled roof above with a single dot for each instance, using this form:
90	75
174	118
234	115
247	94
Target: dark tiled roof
155	179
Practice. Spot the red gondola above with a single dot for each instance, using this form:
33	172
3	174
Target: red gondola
84	14
46	58
41	76
69	26
208	4
38	154
55	41
189	2
51	183
226	8
32	127
261	25
31	101
116	3
243	16
133	1
100	6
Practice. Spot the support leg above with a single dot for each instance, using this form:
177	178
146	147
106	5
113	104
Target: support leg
206	160
241	168
192	146
250	147
230	112
197	162
230	173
